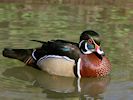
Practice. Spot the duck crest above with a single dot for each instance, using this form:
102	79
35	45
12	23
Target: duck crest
93	66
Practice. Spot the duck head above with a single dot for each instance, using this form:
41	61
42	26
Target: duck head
90	42
92	61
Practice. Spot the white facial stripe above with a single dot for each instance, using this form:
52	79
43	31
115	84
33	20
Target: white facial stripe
86	48
93	41
87	52
81	43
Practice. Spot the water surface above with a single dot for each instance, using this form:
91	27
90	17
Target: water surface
66	19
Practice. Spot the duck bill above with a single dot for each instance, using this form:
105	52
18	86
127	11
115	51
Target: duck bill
98	50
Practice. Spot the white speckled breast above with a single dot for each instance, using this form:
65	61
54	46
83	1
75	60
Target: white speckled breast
57	65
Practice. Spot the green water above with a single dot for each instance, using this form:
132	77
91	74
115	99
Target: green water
24	20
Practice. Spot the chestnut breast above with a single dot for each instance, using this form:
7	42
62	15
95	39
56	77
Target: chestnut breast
92	66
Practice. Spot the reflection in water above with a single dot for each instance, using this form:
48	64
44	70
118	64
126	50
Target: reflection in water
61	87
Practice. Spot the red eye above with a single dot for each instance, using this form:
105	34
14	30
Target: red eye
90	41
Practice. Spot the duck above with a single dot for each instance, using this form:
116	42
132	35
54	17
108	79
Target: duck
65	58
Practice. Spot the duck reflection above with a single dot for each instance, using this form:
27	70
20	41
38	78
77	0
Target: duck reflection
61	87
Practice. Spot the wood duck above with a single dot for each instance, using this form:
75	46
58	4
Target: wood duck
65	58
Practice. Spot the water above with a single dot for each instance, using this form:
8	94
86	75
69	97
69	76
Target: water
66	19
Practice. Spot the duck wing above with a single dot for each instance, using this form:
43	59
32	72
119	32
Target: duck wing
58	47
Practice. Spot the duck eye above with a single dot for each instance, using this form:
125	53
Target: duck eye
90	41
